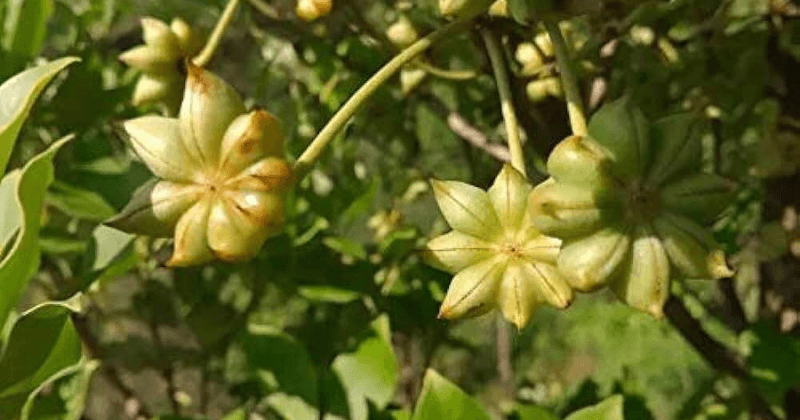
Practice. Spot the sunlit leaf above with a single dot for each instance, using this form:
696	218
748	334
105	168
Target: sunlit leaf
441	399
17	96
23	258
70	401
608	409
26	26
42	343
78	202
369	372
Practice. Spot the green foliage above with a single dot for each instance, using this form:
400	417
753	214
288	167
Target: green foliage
609	409
21	261
525	11
17	96
775	372
40	345
441	399
533	412
336	316
24	29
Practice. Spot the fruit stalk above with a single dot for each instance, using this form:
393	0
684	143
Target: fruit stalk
577	117
343	115
216	36
506	100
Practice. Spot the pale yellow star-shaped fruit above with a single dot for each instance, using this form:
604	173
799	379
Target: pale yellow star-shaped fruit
499	259
160	59
222	175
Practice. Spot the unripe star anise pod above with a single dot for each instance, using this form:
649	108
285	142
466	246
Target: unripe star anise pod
499	259
463	8
402	33
630	204
310	10
159	59
222	177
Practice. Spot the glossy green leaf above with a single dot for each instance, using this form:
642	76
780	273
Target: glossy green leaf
441	399
609	409
68	400
23	258
525	10
774	363
280	362
42	343
533	412
109	244
9	223
25	26
369	372
238	414
79	203
17	96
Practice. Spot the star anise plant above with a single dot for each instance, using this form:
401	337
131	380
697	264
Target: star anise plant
221	175
499	259
632	205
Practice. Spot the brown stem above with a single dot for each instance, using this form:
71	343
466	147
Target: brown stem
166	371
505	370
717	355
732	310
81	323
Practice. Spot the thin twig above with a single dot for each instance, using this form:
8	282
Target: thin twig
447	74
81	323
216	36
717	355
505	369
733	312
506	99
166	371
577	117
343	115
475	137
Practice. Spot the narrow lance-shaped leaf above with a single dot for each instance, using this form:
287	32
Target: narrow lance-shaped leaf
75	380
23	258
26	26
17	96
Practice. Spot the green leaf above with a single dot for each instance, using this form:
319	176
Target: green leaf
110	243
238	414
26	26
68	401
280	363
42	343
533	412
330	294
441	399
369	372
9	223
524	11
79	203
346	246
773	362
23	258
609	409
17	96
